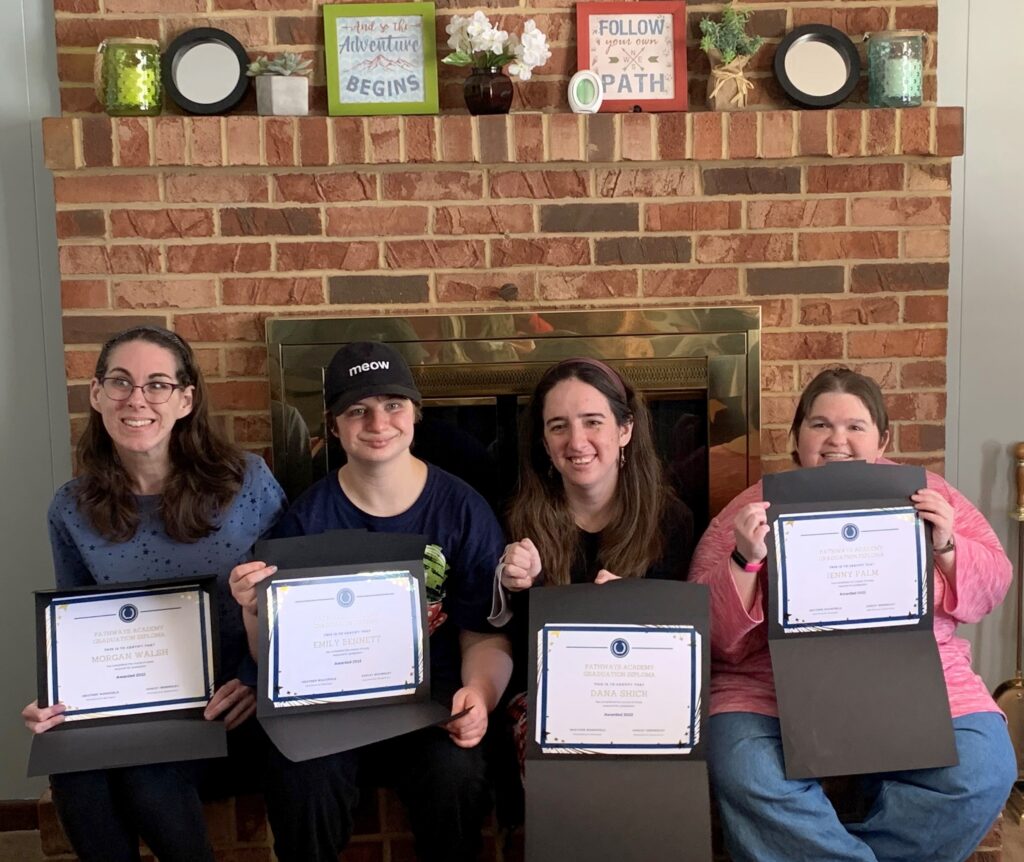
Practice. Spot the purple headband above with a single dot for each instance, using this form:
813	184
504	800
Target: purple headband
607	370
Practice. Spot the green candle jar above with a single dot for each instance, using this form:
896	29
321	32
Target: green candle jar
127	77
896	65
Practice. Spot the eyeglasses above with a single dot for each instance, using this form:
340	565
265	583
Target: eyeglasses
155	392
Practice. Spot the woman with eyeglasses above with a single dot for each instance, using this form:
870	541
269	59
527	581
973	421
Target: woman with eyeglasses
159	495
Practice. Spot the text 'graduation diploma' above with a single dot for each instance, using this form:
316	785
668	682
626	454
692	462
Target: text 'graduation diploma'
618	689
126	653
336	639
851	569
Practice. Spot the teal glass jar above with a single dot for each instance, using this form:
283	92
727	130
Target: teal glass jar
896	65
127	77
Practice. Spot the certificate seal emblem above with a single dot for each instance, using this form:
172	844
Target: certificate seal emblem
346	598
128	613
850	532
619	647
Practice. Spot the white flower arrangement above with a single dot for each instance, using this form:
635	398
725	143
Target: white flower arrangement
478	43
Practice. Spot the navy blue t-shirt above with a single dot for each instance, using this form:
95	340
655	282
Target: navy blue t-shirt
456	520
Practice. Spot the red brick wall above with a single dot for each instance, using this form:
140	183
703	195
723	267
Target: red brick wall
265	26
835	223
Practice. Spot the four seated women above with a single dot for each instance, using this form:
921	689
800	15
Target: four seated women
591	507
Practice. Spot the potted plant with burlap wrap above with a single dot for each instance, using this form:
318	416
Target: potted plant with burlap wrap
729	48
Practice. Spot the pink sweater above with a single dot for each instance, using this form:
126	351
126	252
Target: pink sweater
741	668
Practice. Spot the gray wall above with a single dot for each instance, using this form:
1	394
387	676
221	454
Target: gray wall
33	411
986	408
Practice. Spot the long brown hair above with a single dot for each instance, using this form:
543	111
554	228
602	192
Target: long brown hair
841	379
206	470
633	540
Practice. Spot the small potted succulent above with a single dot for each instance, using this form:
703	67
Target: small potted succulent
282	85
729	48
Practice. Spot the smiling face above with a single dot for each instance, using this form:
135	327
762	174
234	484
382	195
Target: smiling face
376	429
136	427
838	427
582	437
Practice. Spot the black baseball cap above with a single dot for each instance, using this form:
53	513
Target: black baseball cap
363	369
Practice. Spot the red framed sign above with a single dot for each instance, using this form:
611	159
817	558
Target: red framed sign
638	50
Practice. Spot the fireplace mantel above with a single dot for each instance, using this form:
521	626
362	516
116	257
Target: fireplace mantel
835	223
528	138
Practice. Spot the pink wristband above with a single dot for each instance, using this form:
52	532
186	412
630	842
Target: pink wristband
745	564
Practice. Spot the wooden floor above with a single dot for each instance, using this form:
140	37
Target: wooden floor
20	847
24	846
1013	842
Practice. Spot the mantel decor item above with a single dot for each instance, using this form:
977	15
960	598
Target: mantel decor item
204	71
282	85
896	64
487	91
638	50
477	43
126	75
817	66
585	92
729	49
381	58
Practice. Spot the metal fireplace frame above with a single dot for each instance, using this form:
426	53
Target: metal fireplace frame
461	358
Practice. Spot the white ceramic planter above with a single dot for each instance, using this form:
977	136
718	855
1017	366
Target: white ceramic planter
282	95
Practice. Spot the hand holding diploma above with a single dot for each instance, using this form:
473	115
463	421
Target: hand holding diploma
486	668
244	579
520	565
749	529
470	726
235	701
936	510
40	719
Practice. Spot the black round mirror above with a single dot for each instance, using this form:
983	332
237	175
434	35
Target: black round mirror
817	66
204	71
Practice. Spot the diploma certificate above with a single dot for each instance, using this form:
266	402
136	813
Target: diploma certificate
618	689
123	653
850	569
343	638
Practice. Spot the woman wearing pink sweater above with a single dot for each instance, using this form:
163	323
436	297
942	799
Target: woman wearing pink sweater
924	815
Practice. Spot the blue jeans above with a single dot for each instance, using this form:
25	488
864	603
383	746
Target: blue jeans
920	815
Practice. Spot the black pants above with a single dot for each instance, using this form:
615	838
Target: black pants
443	787
105	811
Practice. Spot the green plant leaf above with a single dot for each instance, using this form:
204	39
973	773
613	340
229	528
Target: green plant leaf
458	58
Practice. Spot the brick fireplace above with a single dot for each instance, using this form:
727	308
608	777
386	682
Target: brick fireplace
835	223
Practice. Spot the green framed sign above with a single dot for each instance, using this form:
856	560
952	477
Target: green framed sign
381	58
